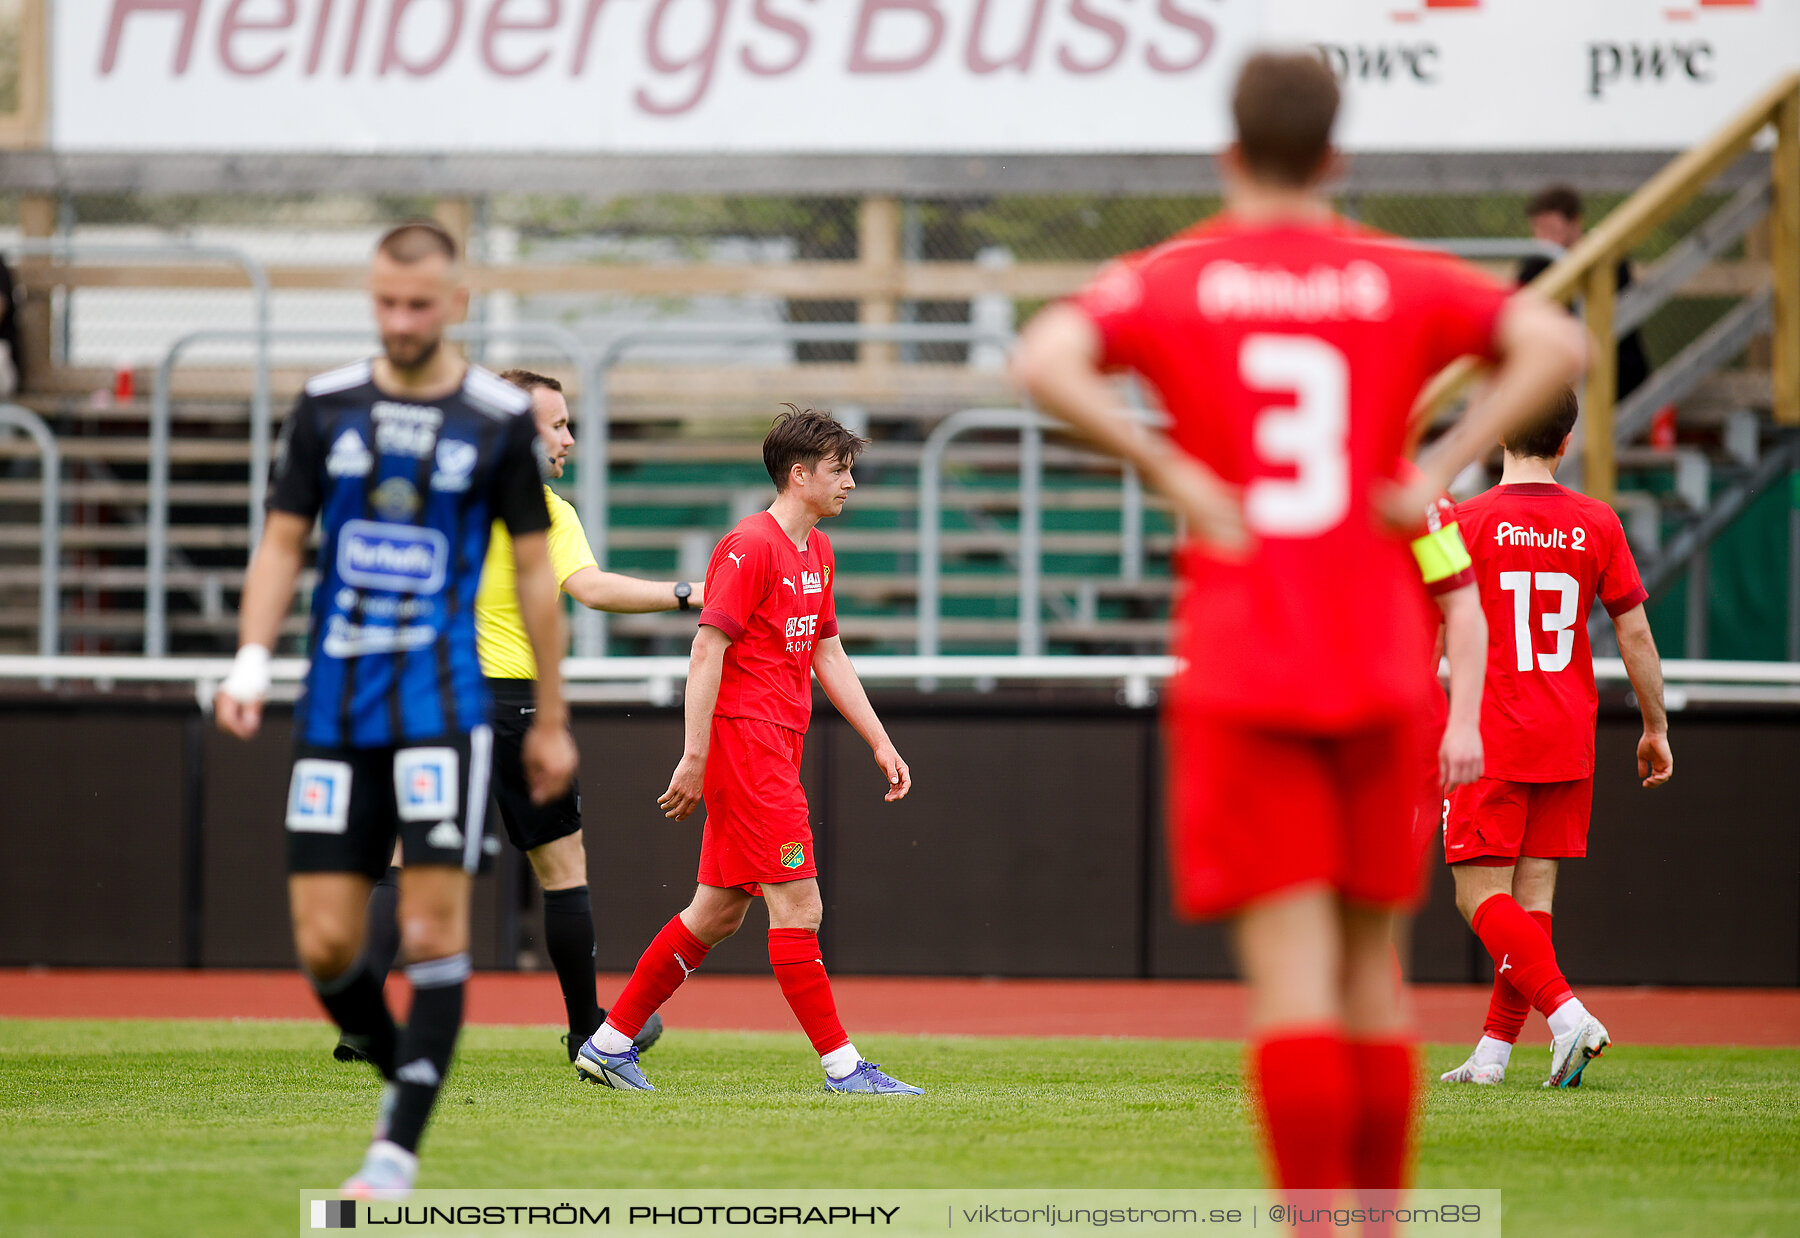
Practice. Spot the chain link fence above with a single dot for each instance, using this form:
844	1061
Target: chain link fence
108	327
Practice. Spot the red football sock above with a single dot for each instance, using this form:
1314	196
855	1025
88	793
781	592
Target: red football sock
664	965
1302	1085
1521	952
1507	1008
1385	1077
794	954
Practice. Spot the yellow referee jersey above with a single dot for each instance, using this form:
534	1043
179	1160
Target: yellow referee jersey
500	639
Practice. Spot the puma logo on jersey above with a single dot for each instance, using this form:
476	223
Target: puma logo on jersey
736	560
789	582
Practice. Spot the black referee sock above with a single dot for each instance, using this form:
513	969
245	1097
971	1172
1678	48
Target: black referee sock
426	1047
569	939
381	944
354	1001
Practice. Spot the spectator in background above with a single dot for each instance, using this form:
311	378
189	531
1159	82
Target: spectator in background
9	336
1555	215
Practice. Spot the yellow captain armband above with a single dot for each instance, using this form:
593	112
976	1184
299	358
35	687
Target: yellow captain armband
1442	554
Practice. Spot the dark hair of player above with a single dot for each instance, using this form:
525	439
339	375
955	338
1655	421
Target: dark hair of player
1555	200
530	380
416	240
1542	437
1284	105
807	436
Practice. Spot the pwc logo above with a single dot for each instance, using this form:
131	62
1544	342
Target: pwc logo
1397	60
1617	63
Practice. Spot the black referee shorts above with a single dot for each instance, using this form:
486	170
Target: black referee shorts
528	825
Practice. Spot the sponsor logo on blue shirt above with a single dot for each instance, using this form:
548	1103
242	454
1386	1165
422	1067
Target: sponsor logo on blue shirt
404	558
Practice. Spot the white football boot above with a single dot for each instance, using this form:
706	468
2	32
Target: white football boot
1570	1054
1473	1071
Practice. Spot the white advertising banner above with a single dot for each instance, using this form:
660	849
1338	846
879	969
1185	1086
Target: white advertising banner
902	76
1473	75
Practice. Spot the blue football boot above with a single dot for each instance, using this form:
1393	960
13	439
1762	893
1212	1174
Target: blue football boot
867	1079
613	1070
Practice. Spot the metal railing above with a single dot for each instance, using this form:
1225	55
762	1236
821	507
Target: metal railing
594	362
71	249
156	547
1687	681
1031	427
590	625
49	517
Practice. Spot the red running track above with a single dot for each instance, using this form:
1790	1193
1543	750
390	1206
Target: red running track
1180	1009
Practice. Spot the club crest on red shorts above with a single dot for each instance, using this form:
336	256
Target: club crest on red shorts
793	855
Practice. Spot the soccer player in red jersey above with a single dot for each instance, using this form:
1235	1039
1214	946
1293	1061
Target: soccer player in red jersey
1542	554
769	626
1288	346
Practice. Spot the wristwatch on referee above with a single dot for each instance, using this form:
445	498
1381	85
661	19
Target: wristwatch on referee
683	591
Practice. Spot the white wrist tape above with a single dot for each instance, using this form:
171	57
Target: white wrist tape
249	677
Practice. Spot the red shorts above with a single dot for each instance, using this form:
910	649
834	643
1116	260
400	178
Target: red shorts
757	828
1494	822
1255	812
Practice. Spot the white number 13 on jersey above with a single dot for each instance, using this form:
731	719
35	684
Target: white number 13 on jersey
1310	436
1560	621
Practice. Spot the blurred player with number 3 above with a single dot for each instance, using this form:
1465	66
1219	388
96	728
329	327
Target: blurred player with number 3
1288	347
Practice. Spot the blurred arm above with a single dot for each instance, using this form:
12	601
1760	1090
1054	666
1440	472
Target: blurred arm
1057	365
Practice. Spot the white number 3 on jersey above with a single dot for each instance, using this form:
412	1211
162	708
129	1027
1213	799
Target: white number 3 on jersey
1311	436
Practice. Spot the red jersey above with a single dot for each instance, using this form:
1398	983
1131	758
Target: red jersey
1542	554
1288	356
775	604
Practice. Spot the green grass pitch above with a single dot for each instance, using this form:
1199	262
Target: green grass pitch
211	1128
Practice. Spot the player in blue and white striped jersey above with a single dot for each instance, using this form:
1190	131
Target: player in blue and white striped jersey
406	460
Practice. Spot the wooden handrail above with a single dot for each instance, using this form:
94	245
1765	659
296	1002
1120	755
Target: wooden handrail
1663	194
1784	256
1587	269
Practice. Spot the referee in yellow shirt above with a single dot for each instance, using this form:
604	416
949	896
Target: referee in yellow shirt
549	834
